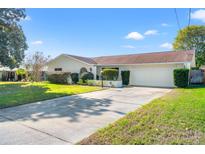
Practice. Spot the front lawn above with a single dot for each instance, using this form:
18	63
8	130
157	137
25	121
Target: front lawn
177	118
17	93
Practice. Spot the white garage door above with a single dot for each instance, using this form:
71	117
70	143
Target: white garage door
153	75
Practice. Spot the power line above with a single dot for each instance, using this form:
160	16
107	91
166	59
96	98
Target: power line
177	19
189	21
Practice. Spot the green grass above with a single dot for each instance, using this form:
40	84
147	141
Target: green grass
17	93
177	118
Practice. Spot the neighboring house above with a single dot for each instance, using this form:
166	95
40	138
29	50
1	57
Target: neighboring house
146	69
8	74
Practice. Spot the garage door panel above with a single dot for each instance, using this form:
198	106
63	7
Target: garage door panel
161	76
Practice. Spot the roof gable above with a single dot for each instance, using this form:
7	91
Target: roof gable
83	59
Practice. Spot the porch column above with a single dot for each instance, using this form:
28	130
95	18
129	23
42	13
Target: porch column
94	72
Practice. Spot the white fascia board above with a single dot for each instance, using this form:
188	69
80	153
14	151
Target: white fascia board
142	64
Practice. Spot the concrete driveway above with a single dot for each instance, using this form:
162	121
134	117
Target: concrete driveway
67	120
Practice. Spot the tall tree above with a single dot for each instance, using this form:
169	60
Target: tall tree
192	37
12	39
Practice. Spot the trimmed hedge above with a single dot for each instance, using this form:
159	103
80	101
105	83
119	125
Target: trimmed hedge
110	74
81	82
195	68
75	77
125	77
181	77
59	78
86	76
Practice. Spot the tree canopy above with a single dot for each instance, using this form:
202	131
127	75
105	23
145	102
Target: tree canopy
12	39
192	37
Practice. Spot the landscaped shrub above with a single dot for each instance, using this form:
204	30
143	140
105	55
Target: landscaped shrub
75	77
21	74
59	78
181	77
97	77
125	77
81	82
94	82
86	76
195	68
110	74
91	82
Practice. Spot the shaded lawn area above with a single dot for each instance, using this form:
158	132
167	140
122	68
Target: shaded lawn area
17	93
177	118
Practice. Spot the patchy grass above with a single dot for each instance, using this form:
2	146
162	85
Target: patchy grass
177	118
17	93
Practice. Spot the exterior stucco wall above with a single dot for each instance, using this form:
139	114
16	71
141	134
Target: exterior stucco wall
68	65
159	75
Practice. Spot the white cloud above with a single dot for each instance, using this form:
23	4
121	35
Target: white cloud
199	15
166	45
128	46
37	42
27	18
151	32
134	36
165	25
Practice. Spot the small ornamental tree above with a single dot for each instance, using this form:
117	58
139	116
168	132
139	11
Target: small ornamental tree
35	64
110	74
21	74
125	77
181	77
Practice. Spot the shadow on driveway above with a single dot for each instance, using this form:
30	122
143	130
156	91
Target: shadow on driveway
70	107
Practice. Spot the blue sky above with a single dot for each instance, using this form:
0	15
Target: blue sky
97	32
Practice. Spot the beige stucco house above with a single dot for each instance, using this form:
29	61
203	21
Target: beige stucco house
146	69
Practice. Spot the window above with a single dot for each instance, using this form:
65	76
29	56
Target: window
58	69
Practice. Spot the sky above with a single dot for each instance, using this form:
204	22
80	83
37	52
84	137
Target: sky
99	32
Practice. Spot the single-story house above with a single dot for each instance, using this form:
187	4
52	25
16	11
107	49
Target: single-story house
146	69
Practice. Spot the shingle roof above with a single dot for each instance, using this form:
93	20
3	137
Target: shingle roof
154	57
84	59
